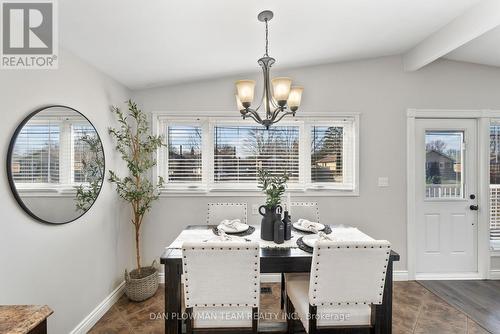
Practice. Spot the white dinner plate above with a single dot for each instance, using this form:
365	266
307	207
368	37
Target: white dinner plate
310	239
320	227
239	227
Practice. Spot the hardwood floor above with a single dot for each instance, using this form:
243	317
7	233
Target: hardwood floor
480	300
416	310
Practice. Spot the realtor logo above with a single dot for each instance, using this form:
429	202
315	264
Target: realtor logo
29	38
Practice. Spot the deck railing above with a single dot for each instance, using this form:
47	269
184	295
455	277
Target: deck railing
443	191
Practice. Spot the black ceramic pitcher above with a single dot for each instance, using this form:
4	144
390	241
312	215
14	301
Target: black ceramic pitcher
268	219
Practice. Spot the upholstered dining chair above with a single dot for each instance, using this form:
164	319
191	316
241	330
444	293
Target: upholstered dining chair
217	212
221	286
300	210
305	210
346	280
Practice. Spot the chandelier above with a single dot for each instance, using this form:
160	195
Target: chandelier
284	99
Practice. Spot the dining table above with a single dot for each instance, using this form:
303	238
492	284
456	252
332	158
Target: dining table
274	258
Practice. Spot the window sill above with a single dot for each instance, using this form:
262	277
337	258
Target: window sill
47	192
255	193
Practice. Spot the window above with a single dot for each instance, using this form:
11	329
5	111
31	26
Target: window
184	154
220	154
332	154
444	160
495	183
240	150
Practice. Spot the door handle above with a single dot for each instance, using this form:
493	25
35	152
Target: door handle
474	207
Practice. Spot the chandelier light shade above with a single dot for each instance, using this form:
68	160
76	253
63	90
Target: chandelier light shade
281	89
245	89
275	104
238	103
295	97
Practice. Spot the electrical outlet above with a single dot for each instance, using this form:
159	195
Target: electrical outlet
383	181
255	209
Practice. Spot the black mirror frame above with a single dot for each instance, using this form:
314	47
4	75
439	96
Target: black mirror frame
9	164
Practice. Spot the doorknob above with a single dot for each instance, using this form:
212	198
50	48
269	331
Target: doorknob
474	207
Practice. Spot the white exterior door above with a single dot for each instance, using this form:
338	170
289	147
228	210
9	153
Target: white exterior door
446	196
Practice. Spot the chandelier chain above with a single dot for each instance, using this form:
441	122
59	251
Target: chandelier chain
267	39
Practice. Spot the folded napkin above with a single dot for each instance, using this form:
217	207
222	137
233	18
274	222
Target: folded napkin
308	224
231	225
324	236
224	237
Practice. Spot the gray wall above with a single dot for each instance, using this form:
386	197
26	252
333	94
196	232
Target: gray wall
381	91
71	267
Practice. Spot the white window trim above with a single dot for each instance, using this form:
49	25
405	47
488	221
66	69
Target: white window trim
162	155
208	119
329	185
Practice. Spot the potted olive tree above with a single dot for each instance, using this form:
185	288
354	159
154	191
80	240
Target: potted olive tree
137	148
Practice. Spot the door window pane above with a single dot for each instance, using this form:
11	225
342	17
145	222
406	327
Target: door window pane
443	164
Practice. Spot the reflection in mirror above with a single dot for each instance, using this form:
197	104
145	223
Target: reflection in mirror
56	164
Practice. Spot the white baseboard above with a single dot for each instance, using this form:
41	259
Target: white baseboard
495	274
90	320
448	276
400	275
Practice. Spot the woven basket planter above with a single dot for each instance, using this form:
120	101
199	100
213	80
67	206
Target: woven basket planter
143	286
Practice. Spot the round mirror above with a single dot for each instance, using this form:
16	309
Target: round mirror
55	164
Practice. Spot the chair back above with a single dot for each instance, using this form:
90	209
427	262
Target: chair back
348	273
221	274
217	212
305	210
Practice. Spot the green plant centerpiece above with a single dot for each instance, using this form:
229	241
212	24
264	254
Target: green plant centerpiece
137	147
274	187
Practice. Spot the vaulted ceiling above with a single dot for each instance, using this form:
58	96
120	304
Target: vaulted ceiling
149	43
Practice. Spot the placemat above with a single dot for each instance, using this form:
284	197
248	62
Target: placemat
249	231
303	246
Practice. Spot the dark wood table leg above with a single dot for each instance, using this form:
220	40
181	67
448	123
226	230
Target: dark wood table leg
383	322
173	313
